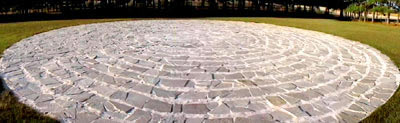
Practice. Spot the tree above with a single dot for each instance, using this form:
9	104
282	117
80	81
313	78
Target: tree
397	9
63	6
356	9
387	10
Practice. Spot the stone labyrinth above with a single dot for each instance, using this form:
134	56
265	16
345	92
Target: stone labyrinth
197	71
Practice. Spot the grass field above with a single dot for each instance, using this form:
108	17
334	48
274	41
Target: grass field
383	37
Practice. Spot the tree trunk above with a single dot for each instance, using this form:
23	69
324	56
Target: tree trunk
293	8
312	8
341	12
365	16
212	5
398	17
388	18
270	6
286	8
159	4
242	4
258	5
327	11
166	4
373	16
263	4
233	4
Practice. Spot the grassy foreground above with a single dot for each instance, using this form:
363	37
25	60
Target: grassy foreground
383	37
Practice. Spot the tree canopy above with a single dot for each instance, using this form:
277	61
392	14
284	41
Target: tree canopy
43	6
384	7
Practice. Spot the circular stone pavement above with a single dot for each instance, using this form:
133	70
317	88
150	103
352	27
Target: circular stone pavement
195	71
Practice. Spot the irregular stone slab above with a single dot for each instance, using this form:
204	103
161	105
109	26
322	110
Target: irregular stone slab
120	95
221	109
275	100
136	100
195	108
122	107
139	115
197	71
158	106
220	120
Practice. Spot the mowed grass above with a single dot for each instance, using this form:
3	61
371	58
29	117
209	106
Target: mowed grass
383	37
10	109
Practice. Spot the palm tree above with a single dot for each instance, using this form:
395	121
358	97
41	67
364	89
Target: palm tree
388	11
355	9
397	7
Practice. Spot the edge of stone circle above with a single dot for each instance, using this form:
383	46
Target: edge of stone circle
3	78
3	82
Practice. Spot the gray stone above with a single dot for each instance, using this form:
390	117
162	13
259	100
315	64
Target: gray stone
234	76
142	88
122	107
239	93
221	109
276	100
50	81
194	120
193	95
84	83
219	120
164	93
139	115
73	91
120	95
350	117
173	83
104	121
44	98
221	94
281	116
158	106
200	76
136	100
85	117
177	108
177	70
195	108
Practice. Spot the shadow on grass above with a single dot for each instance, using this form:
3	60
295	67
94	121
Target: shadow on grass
13	111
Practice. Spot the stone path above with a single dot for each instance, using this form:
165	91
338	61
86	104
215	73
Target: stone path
197	71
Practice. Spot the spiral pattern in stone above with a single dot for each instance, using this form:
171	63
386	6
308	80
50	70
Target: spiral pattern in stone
197	71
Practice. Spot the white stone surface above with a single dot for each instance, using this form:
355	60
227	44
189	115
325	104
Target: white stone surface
197	70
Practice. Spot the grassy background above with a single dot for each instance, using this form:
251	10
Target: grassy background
383	37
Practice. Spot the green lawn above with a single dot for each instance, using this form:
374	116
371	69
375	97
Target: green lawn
383	37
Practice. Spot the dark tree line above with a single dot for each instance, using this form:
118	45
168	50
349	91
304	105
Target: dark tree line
62	6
